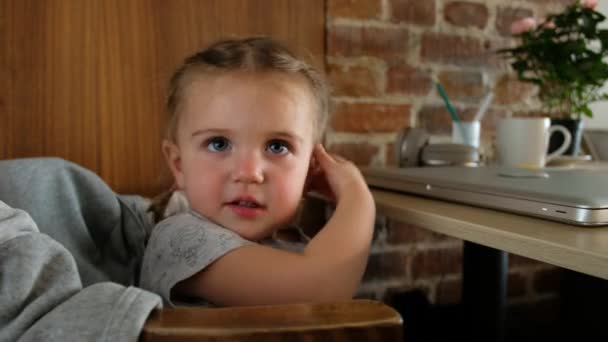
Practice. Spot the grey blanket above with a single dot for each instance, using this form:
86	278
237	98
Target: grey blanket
70	252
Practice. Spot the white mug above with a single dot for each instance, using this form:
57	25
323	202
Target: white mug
523	142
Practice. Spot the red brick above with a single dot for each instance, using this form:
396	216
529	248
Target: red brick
359	9
509	90
353	81
355	41
407	80
435	119
466	14
414	12
553	2
449	291
390	155
367	117
463	85
490	120
436	262
358	153
507	15
548	7
531	113
548	280
402	233
459	51
385	266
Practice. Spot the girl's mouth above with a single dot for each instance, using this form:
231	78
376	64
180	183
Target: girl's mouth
248	204
246	208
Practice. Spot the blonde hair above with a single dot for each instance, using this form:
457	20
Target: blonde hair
258	54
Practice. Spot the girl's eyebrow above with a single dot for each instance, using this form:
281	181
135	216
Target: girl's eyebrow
209	131
217	131
288	136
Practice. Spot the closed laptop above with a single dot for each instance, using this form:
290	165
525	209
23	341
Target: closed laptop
572	195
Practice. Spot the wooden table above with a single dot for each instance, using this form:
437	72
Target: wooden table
583	249
489	235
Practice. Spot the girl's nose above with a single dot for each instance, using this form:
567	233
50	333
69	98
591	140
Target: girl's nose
249	168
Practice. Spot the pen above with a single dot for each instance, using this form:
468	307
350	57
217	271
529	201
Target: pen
448	105
452	111
484	107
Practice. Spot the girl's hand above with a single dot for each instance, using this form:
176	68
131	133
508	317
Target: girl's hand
334	176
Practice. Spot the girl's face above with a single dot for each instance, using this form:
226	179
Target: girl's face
244	143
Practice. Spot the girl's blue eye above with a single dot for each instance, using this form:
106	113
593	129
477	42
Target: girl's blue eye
278	147
218	144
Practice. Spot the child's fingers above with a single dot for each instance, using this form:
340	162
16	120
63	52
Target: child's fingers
338	158
338	173
324	158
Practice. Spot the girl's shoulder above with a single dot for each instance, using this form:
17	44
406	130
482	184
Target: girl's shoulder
191	223
188	219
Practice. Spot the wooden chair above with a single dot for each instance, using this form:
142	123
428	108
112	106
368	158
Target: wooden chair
354	320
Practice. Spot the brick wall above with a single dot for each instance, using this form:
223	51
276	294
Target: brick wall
382	58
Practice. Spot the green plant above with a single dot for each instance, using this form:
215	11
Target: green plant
565	57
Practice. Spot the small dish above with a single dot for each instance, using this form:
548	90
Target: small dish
569	160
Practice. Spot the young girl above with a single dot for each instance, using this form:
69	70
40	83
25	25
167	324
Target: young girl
243	145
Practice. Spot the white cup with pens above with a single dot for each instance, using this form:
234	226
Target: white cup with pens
469	132
466	132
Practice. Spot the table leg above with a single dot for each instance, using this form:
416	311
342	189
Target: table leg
484	286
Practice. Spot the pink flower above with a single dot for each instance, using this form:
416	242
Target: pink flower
592	4
549	25
523	25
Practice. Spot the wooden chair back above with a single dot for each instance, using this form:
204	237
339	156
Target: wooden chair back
355	320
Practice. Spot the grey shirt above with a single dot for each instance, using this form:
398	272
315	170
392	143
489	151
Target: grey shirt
186	243
179	247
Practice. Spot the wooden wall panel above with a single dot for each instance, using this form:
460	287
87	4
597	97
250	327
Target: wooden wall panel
85	80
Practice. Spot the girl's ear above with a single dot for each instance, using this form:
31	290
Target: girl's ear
174	161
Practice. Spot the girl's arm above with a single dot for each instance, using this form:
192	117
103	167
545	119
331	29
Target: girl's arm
330	268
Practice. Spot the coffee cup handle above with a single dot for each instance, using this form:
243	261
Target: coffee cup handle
567	139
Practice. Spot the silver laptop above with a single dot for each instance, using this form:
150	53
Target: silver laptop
576	196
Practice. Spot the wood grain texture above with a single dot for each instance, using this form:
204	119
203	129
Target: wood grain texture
356	320
581	249
86	80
